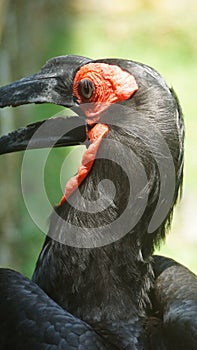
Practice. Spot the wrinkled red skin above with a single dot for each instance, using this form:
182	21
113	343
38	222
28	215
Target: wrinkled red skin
112	85
95	136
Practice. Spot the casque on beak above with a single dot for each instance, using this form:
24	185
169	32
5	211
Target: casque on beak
53	84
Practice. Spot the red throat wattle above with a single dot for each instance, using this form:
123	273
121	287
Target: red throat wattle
96	86
95	136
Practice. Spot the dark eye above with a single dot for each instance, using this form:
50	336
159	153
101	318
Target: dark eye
86	88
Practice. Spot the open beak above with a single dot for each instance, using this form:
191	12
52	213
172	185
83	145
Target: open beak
53	84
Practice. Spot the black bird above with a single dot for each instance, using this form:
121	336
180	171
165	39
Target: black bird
96	284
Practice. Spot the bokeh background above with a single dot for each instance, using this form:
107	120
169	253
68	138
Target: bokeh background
162	34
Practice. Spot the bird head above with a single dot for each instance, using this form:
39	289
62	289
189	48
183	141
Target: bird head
131	123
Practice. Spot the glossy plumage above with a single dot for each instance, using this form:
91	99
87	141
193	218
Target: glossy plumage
117	295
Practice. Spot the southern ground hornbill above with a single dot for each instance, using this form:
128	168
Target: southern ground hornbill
96	284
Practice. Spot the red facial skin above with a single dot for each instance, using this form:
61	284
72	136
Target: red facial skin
110	84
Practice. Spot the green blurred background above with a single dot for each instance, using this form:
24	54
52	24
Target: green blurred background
162	34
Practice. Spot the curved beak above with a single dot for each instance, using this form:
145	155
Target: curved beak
53	84
53	132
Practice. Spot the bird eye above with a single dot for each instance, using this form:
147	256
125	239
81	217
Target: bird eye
86	88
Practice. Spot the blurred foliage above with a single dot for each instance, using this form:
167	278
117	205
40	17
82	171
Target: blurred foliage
159	33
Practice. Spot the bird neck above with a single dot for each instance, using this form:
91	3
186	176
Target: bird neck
97	262
98	284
